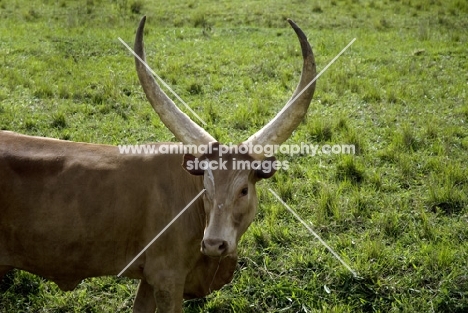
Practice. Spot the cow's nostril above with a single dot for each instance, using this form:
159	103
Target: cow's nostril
223	246
214	247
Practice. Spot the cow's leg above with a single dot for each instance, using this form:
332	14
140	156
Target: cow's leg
144	301
168	292
4	270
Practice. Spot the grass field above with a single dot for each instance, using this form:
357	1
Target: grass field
396	211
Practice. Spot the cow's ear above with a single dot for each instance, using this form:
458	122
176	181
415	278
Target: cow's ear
268	168
191	165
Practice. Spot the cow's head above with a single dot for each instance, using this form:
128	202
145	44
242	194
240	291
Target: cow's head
230	199
229	177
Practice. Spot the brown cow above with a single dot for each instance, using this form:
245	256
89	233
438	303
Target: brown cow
69	210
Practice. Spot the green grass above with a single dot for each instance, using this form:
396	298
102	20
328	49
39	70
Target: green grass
397	211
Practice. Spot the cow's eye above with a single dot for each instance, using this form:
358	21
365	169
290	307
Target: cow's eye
244	191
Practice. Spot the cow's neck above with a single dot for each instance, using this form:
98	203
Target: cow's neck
196	214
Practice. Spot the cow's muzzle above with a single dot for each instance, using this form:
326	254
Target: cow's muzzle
214	247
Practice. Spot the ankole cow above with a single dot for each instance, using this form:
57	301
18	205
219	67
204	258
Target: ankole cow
70	210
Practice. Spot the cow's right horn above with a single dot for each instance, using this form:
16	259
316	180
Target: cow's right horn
183	128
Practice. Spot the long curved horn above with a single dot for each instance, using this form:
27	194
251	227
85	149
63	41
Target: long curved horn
280	128
175	120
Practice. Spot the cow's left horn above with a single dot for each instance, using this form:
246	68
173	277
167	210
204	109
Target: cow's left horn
280	128
175	120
